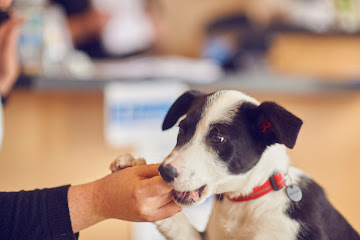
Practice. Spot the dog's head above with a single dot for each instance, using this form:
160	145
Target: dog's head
222	138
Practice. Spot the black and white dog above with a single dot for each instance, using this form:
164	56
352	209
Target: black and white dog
233	146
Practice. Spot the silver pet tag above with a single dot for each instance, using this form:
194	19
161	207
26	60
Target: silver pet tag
294	193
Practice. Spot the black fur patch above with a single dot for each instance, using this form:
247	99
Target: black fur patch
238	151
180	107
318	219
188	125
271	123
251	131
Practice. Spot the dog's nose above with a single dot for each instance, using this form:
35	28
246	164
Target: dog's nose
168	172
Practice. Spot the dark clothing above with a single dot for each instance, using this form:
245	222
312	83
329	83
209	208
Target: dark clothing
92	47
3	100
39	214
73	7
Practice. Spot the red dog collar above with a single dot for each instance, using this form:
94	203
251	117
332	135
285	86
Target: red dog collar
274	183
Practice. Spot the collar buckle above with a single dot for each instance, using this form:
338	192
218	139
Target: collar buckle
277	181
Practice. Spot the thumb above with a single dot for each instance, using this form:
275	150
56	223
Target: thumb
148	171
167	211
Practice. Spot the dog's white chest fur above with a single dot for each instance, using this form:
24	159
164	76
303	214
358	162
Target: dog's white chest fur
258	219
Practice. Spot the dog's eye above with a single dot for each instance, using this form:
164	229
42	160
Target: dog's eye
217	138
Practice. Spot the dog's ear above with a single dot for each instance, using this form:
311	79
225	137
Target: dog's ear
179	108
273	124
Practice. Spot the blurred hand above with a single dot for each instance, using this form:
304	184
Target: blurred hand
88	25
9	65
137	194
5	4
96	20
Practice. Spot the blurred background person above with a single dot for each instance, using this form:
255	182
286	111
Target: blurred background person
108	28
86	25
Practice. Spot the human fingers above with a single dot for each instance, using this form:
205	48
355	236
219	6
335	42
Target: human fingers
98	20
155	186
161	201
100	15
147	171
166	211
104	19
5	4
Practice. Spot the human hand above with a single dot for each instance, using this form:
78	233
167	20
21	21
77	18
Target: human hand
88	25
5	4
137	194
9	64
96	20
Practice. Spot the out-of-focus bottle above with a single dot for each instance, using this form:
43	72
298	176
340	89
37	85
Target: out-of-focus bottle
60	59
31	37
45	45
57	42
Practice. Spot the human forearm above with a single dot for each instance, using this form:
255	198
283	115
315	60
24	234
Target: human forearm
81	207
